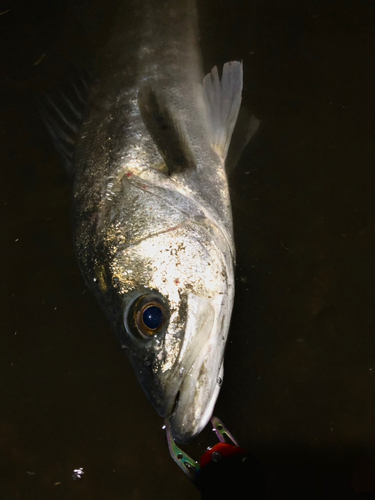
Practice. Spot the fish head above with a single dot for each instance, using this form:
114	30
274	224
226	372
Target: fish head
175	293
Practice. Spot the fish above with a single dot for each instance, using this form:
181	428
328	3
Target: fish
146	145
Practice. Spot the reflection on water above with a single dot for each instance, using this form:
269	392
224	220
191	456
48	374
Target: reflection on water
300	365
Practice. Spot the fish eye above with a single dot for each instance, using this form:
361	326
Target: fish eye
146	317
149	318
152	316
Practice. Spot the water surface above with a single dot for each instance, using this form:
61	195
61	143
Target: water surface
300	365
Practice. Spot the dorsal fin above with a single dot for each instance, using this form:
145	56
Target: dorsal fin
165	131
62	112
222	99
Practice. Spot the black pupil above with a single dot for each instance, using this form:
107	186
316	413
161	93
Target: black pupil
152	317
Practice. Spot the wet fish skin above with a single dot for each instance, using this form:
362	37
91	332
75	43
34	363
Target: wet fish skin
151	207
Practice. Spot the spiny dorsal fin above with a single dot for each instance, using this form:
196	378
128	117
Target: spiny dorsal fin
222	99
165	131
62	112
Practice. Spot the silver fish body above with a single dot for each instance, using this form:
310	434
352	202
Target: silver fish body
151	208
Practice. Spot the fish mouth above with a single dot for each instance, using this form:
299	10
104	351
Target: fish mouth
201	359
193	406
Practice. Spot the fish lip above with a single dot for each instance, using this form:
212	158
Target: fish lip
180	432
175	403
172	413
169	415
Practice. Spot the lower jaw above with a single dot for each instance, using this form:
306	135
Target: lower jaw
185	423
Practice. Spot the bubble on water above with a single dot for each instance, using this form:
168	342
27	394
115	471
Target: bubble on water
77	474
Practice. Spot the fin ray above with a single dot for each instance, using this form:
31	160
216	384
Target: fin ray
62	112
222	99
245	128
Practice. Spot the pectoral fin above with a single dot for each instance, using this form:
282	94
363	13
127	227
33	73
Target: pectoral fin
165	130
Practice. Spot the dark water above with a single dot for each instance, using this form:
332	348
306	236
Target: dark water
300	365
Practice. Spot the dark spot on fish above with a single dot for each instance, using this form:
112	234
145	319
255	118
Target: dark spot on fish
94	217
161	123
181	161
